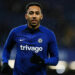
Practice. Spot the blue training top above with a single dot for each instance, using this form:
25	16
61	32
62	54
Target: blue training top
41	41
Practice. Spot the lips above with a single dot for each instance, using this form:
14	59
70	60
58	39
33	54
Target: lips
34	20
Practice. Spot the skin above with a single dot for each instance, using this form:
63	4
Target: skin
34	16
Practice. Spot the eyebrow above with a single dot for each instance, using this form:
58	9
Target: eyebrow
34	11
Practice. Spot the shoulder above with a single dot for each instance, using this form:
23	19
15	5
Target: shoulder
50	34
46	30
19	28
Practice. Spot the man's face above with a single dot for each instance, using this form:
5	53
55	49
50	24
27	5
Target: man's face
34	15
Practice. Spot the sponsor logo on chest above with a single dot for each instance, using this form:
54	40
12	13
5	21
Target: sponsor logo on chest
31	48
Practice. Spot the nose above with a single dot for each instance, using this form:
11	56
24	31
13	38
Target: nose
34	15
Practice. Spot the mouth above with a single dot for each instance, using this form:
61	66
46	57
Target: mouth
34	20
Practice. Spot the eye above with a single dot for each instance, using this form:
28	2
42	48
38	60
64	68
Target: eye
37	13
31	12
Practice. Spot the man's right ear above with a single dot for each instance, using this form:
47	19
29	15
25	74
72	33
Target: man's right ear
26	16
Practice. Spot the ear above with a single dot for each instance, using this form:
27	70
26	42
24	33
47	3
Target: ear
26	16
41	16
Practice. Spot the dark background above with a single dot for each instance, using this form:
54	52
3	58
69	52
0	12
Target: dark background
59	16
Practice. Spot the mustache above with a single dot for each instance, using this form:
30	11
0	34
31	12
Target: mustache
34	18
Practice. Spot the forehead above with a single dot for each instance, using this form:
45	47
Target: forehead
34	8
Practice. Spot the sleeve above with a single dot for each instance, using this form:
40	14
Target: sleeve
53	51
7	47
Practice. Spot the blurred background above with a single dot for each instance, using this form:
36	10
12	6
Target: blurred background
59	16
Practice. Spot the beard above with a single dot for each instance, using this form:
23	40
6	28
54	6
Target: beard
34	23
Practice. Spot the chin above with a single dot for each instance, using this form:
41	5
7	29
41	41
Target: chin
33	24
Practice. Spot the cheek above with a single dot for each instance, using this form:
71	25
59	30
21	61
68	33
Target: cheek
28	18
39	18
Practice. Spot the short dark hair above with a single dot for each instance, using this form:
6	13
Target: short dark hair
33	4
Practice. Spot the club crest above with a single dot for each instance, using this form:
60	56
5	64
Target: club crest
40	40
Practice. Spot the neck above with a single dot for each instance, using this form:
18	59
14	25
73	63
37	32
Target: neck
33	27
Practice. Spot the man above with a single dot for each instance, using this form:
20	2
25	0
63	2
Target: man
34	43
